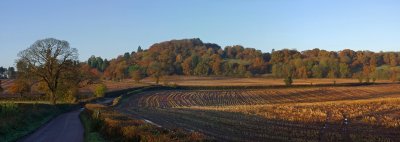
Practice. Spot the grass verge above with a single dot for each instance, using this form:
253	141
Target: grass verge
18	120
91	135
115	126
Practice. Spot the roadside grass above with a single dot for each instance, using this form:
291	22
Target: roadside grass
91	135
115	126
18	120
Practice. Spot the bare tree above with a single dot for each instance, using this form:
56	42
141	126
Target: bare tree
50	60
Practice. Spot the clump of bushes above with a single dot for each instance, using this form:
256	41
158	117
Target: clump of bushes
116	126
116	101
100	90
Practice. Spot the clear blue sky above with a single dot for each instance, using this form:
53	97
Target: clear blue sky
108	28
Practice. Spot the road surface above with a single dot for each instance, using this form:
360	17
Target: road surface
66	127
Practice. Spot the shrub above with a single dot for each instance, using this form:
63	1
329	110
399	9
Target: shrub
367	80
71	95
248	74
100	90
173	85
360	79
116	101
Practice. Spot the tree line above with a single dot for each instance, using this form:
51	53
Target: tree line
346	63
193	57
7	73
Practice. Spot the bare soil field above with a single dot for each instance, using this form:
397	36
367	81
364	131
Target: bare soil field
256	81
87	90
5	84
113	86
363	113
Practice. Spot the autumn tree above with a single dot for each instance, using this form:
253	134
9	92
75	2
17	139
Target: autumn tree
344	70
216	64
51	61
193	57
24	81
155	70
393	59
136	75
187	66
393	74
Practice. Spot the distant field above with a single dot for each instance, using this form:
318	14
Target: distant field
87	90
6	83
256	81
363	113
113	86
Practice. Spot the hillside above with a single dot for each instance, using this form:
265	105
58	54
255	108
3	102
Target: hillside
193	57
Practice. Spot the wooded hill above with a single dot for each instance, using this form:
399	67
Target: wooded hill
194	57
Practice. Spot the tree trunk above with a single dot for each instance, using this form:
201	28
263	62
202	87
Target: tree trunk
53	98
157	80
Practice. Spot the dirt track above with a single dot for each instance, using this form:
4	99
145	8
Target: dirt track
65	128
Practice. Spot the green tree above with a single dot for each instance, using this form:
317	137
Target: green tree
344	70
139	49
216	64
12	74
202	68
127	56
316	71
242	70
277	70
187	66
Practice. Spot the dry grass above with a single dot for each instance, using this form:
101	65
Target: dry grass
116	126
111	86
379	112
